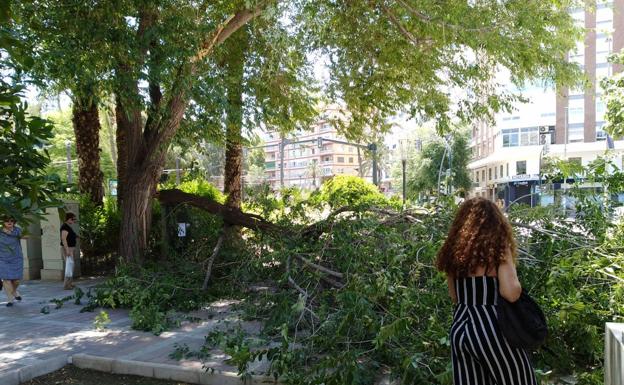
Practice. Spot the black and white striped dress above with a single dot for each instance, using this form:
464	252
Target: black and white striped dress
480	353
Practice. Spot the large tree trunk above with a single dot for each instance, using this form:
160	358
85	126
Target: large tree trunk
234	66
86	124
139	164
142	145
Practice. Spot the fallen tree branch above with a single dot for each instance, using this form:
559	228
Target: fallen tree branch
319	267
210	261
231	215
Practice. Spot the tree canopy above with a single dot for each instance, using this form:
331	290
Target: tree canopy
162	61
429	166
614	99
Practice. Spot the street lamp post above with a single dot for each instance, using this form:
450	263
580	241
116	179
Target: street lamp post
403	150
447	149
403	164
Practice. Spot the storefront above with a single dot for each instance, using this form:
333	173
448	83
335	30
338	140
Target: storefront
519	189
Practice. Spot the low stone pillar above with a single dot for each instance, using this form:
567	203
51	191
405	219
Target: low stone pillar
31	248
53	268
614	354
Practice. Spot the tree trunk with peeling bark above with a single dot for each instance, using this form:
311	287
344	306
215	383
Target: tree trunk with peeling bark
142	144
86	123
234	67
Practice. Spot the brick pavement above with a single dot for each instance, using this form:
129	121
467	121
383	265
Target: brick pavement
28	337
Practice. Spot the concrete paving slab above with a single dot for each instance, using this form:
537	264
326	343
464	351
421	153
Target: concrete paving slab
34	343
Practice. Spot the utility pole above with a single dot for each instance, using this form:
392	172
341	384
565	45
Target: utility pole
404	163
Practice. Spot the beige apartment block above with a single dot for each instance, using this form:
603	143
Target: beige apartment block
308	165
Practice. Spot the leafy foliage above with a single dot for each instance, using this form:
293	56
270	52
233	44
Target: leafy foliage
25	188
153	294
613	96
99	228
378	307
424	169
464	40
352	191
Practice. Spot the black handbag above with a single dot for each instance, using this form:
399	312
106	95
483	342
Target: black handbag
522	322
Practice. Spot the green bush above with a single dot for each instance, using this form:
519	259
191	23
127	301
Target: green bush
99	227
203	228
347	190
202	188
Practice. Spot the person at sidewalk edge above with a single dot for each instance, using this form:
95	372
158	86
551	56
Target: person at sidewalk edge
11	259
68	245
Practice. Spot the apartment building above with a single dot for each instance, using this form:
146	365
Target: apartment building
566	124
308	161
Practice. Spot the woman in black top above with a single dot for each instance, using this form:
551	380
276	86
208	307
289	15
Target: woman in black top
68	243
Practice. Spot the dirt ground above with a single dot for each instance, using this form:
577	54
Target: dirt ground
71	375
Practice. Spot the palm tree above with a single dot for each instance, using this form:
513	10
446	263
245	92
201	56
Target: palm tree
382	155
313	170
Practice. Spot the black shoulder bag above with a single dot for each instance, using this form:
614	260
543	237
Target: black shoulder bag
522	322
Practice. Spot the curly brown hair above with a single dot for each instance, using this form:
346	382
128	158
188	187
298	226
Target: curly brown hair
479	236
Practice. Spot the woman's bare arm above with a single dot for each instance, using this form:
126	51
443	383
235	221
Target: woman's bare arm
509	285
450	281
64	234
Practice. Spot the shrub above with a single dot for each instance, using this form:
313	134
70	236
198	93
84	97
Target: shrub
353	191
99	230
202	188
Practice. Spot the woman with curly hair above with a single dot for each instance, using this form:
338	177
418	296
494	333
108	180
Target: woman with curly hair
479	257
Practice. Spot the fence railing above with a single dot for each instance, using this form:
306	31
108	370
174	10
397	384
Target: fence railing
614	354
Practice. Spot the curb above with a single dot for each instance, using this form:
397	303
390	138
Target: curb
36	369
164	371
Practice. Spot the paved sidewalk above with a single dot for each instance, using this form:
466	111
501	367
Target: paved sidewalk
29	337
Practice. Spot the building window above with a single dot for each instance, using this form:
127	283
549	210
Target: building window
495	172
350	159
483	175
477	176
489	174
507	169
526	136
575	133
501	170
340	159
510	138
521	167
